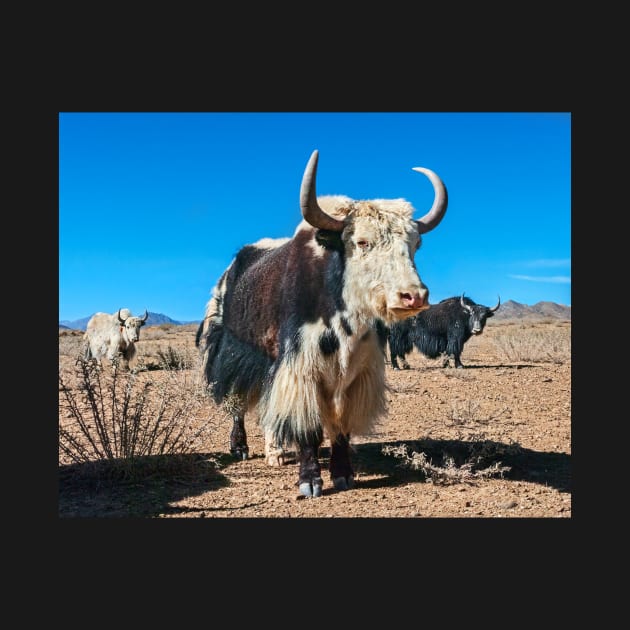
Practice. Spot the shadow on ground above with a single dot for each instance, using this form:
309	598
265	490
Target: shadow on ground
144	489
112	489
467	366
548	469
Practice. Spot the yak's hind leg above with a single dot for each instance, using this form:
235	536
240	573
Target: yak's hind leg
235	406
274	453
394	361
238	437
341	471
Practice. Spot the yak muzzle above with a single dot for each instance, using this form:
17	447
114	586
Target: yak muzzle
415	301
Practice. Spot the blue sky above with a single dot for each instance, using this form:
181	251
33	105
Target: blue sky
153	206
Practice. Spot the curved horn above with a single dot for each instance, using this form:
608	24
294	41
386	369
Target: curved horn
311	211
432	218
120	319
494	308
461	301
145	316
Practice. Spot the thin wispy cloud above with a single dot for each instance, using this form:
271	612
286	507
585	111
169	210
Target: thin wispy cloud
551	279
548	262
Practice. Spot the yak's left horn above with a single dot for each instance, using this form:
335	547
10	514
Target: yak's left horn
432	218
461	301
311	211
494	308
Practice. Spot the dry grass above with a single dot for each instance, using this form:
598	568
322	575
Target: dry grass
530	342
130	419
447	471
478	456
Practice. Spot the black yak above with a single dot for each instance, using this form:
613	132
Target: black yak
443	328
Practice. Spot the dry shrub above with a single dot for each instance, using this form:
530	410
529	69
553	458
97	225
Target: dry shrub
169	358
448	472
533	343
122	417
479	456
174	359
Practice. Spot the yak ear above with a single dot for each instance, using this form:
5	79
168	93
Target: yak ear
329	239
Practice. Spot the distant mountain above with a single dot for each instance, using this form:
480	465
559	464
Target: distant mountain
507	310
540	310
154	319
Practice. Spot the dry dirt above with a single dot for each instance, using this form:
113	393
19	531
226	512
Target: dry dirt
496	439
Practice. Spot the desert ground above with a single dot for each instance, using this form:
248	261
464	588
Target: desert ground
491	440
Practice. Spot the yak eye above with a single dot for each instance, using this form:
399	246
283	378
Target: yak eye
362	243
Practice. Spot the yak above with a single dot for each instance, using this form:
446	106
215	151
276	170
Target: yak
294	330
113	336
442	329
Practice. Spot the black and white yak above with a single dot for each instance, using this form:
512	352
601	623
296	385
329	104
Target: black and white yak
294	330
442	329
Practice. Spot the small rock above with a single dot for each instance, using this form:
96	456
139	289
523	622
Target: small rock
506	505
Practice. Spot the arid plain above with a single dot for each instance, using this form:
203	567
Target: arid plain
492	440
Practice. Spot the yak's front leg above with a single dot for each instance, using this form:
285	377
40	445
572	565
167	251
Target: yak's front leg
340	467
310	479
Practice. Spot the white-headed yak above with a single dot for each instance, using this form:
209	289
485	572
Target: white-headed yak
295	329
113	336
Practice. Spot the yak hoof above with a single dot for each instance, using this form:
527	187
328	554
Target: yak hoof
406	366
343	483
275	459
240	453
312	489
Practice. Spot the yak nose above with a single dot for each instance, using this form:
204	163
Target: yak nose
417	299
